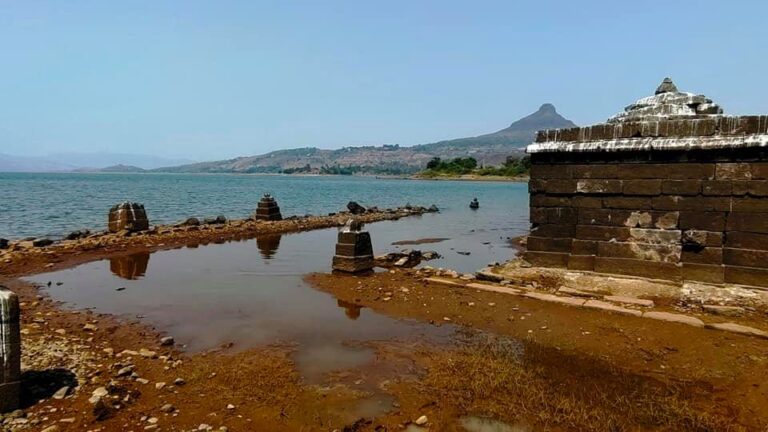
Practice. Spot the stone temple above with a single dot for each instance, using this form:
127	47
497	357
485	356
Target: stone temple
670	188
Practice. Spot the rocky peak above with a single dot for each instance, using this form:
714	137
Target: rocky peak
668	103
547	108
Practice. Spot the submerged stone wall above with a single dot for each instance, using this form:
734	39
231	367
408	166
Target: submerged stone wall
670	188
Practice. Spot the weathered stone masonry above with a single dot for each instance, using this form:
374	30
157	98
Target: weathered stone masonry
677	197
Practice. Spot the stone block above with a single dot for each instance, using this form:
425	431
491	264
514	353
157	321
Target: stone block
681	187
562	215
640	251
733	171
629	300
598	187
746	258
584	247
629	203
705	221
608	307
676	318
655	236
673	171
749	222
127	216
581	262
352	264
706	255
642	187
717	188
698	203
560	186
546	172
707	273
642	268
746	275
548	244
755	188
610	171
544	200
547	259
538	215
698	238
603	233
581	201
552	230
750	205
746	240
359	240
605	217
739	329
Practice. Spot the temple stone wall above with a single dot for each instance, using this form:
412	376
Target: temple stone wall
669	188
699	216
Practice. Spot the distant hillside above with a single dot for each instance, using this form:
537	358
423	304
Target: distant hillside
489	149
119	168
83	162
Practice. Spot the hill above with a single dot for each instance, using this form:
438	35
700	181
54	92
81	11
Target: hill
489	149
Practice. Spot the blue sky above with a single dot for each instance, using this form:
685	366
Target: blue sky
217	79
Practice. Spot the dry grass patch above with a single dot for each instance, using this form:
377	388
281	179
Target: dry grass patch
552	390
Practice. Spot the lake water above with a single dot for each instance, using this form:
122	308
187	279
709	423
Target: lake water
33	204
252	292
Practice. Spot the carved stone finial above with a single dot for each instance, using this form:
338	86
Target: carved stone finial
666	86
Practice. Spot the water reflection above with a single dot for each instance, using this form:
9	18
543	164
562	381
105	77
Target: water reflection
351	310
131	266
268	245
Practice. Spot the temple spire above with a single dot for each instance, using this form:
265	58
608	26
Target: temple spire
666	86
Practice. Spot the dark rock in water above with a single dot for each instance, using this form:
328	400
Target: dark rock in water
3	243
43	242
407	258
74	235
463	253
193	221
474	204
355	208
218	220
666	86
433	209
128	216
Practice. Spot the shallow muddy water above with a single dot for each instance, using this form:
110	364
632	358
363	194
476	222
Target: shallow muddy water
252	292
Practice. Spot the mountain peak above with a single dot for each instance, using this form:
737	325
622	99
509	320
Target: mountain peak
547	108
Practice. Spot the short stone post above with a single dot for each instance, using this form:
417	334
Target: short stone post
10	350
354	252
268	209
128	216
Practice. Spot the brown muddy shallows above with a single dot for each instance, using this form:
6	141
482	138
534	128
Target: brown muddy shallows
572	369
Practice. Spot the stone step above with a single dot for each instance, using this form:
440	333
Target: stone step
629	300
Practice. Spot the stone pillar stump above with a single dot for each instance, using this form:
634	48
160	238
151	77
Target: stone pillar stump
10	350
268	209
354	252
128	216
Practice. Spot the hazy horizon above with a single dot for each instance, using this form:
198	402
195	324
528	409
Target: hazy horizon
205	81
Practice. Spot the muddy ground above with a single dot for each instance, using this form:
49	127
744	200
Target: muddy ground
528	363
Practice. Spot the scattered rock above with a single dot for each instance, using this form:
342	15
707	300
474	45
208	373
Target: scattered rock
90	327
730	311
167	408
43	242
355	208
421	421
167	340
61	393
179	382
